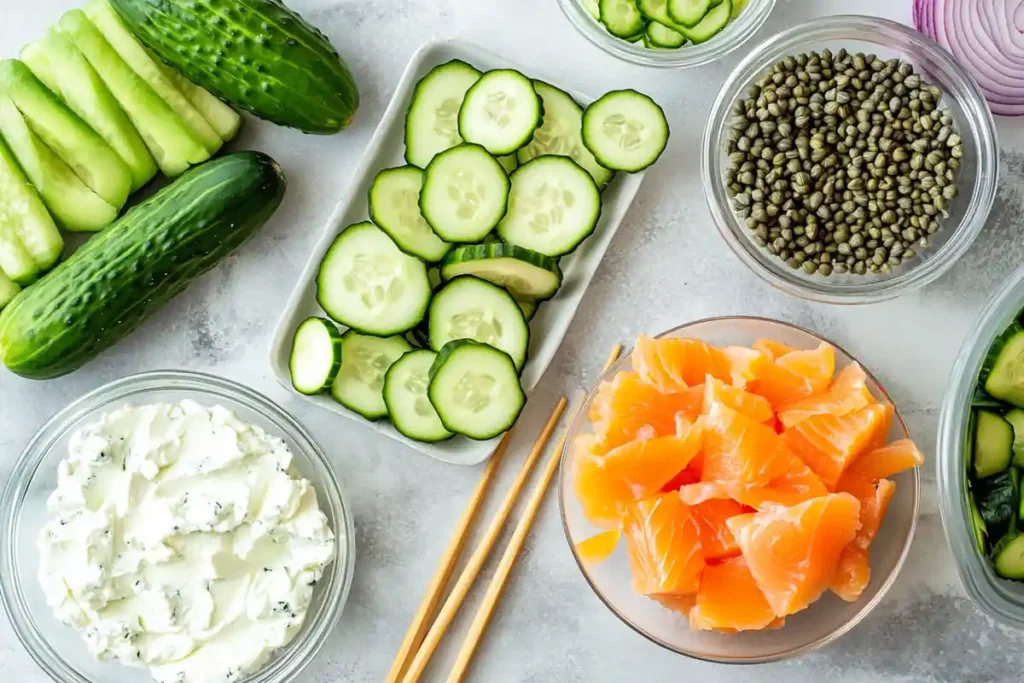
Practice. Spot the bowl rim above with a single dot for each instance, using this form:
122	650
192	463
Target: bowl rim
288	661
828	638
737	32
977	121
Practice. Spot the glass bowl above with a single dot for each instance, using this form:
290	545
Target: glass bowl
827	619
979	171
737	32
60	650
998	598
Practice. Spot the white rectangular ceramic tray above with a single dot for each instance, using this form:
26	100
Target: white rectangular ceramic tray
386	149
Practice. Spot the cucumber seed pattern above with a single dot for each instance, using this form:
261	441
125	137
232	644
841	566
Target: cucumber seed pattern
446	121
474	390
548	204
466	193
499	108
366	366
417	386
377	280
627	133
476	324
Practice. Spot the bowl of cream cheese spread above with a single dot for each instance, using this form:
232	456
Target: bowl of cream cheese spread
175	527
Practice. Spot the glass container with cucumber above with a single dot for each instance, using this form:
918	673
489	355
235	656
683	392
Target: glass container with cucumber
667	33
995	454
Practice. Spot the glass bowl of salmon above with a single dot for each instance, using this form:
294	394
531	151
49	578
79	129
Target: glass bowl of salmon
959	223
739	490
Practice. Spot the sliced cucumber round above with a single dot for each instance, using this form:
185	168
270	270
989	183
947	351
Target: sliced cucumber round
316	356
553	206
395	209
432	122
561	133
475	389
592	8
662	36
405	395
364	363
465	193
656	11
688	12
527	275
625	130
471	308
500	112
711	24
622	18
367	283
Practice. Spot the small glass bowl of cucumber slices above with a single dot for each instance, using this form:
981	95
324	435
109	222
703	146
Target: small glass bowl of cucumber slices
60	650
981	454
850	159
667	33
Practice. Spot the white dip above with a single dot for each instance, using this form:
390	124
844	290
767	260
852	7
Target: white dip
184	541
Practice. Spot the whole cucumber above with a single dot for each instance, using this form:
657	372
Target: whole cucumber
255	54
138	264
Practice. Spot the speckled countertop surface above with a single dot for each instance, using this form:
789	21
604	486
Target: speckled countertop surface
667	265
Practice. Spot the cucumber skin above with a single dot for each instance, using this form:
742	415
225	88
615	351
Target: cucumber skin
335	335
499	249
138	264
255	54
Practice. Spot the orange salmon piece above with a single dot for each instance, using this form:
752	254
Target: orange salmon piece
757	408
793	552
677	603
673	364
849	392
664	550
852	575
599	547
729	600
716	541
797	485
626	407
773	349
796	375
828	444
884	462
606	484
739	451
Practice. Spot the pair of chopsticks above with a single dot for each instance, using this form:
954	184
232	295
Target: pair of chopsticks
423	636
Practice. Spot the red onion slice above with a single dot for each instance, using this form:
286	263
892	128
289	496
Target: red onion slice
992	14
987	38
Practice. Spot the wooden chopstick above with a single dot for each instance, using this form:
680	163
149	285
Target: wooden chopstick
476	561
515	545
435	591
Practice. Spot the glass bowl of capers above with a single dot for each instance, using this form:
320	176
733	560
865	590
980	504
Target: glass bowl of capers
850	159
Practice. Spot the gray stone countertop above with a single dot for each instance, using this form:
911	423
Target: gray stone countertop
667	265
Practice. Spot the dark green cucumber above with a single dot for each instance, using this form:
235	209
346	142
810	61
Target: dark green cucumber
255	54
138	264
